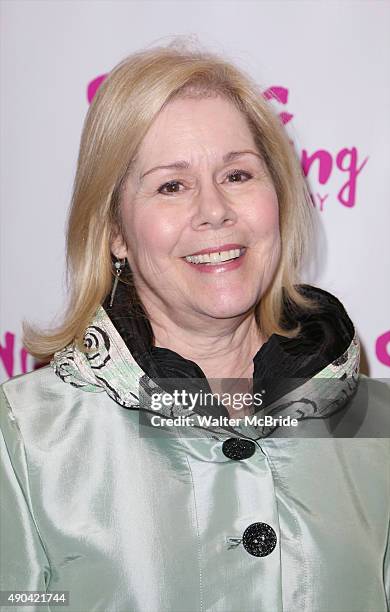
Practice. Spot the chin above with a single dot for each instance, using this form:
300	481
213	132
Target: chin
228	309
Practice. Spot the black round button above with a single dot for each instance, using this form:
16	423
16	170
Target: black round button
259	539
238	448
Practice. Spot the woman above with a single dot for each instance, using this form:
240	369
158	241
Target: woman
189	221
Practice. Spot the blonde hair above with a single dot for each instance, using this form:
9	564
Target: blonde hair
125	105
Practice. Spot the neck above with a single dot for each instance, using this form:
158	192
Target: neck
225	352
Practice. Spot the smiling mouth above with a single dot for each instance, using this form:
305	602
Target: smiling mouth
218	257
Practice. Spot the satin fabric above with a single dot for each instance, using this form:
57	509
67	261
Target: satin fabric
130	520
145	524
279	365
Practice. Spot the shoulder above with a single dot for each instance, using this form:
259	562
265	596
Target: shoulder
31	404
41	415
25	398
33	388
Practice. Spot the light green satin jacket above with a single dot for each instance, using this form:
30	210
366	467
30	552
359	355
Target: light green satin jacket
129	521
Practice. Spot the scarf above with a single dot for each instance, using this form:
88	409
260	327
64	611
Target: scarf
312	376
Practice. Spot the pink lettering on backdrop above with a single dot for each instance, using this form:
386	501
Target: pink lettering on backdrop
347	193
94	86
280	94
8	355
321	200
325	163
23	359
382	348
350	186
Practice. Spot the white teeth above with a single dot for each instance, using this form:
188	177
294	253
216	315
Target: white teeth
214	258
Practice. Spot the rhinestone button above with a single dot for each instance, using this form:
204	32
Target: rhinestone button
259	539
238	448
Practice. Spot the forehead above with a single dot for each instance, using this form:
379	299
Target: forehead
186	125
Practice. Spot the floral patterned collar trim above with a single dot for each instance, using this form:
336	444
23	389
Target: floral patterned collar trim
111	368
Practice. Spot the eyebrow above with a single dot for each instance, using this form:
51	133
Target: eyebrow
183	165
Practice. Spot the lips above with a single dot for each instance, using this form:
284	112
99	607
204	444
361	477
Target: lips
217	249
216	263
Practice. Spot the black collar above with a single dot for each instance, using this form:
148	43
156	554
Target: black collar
280	364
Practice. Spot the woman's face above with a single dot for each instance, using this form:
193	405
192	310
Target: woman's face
199	184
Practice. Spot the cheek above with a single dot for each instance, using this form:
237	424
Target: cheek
153	233
263	215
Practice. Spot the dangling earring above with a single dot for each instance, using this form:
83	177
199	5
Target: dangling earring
118	265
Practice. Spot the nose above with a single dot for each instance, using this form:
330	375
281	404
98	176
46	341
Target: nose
212	209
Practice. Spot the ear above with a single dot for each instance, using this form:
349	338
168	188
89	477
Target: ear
118	245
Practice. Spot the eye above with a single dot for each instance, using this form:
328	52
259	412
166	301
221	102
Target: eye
172	187
236	174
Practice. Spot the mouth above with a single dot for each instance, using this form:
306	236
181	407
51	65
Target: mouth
214	258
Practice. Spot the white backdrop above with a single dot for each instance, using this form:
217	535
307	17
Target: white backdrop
329	63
